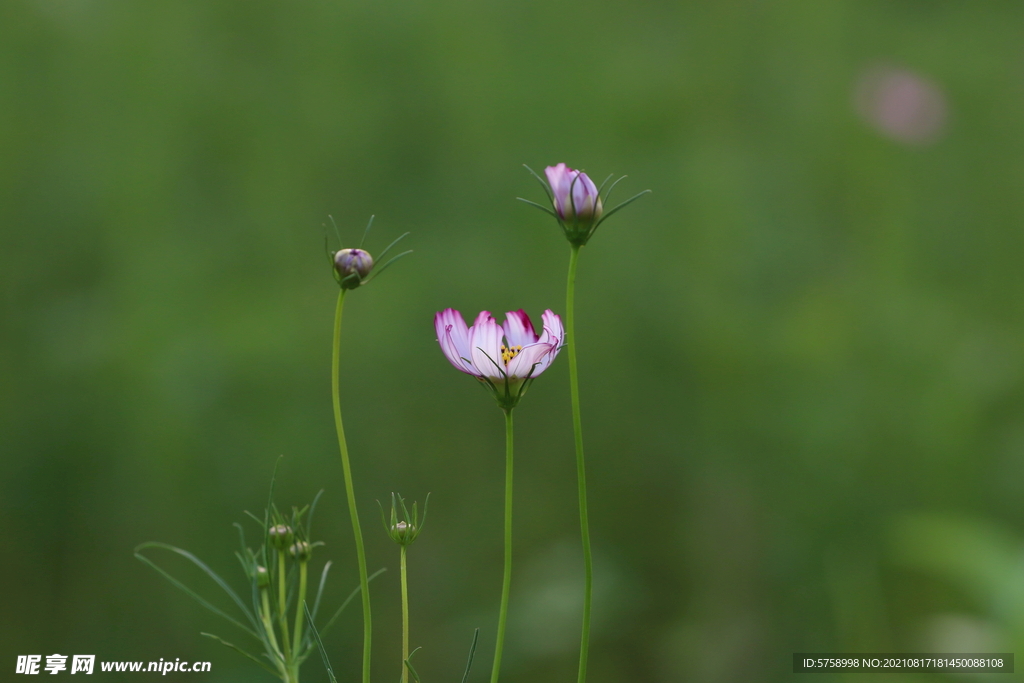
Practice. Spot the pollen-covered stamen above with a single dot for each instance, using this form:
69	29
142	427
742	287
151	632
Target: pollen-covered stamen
509	352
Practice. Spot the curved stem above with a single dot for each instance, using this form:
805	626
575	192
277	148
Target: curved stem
405	621
507	578
581	473
350	492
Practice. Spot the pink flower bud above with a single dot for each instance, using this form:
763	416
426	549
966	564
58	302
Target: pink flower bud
349	262
576	199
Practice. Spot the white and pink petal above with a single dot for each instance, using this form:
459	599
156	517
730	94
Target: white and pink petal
518	329
485	346
453	336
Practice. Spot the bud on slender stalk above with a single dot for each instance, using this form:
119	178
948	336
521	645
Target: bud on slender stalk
576	202
281	536
354	267
403	531
404	528
352	262
575	198
262	577
301	551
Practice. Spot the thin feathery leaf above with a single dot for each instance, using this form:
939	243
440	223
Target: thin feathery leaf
600	189
351	596
243	562
365	232
319	644
209	572
312	509
542	208
244	559
408	663
423	519
327	248
298	514
195	596
472	652
405	510
500	369
380	270
273	481
604	198
381	255
336	233
242	652
547	189
320	589
622	205
383	519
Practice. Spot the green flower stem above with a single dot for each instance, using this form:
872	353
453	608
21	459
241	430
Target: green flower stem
299	609
364	583
268	626
581	473
282	604
405	620
506	582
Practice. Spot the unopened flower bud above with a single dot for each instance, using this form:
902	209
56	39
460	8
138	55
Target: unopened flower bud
281	536
301	551
576	201
262	577
348	262
403	532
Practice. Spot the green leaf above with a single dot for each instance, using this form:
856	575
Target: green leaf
365	232
398	239
242	652
622	205
195	596
408	663
472	652
380	270
351	596
319	643
542	208
309	520
547	190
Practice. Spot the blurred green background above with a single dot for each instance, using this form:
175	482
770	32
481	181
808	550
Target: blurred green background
801	356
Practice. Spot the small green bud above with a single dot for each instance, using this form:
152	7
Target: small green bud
262	577
281	536
352	262
301	551
403	532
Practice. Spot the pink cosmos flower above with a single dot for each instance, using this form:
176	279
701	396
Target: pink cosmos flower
506	365
574	195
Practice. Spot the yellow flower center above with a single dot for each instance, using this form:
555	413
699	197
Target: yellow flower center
509	352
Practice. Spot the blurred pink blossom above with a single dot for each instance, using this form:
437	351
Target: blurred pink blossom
901	104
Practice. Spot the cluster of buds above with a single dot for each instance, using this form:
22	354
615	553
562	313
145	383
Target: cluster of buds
353	267
404	530
284	540
576	202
